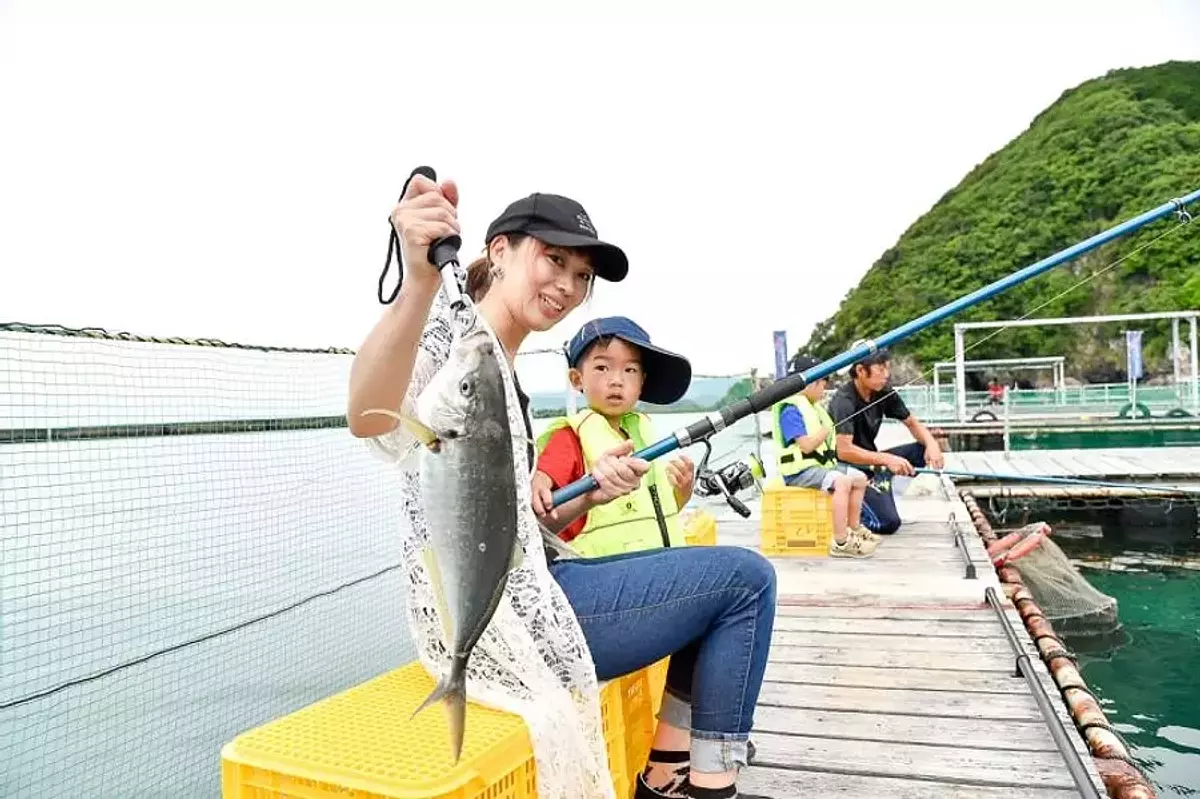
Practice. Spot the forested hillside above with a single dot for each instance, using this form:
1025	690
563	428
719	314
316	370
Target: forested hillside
1106	151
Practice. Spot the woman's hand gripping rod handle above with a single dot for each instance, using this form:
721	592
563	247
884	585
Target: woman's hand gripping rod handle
718	420
442	253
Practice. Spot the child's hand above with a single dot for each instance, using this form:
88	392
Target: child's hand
681	474
543	490
617	473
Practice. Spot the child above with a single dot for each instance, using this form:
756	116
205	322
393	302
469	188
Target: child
807	456
613	363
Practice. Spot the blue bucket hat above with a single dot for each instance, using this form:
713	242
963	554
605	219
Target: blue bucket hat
668	375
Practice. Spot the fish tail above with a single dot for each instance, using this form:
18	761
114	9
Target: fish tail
452	689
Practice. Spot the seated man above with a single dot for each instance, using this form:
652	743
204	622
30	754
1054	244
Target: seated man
858	408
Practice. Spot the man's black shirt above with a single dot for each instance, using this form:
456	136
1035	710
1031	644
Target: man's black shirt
846	403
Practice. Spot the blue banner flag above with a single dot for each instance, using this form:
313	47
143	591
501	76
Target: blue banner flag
1133	349
781	357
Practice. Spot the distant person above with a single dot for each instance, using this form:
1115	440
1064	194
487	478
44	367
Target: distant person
613	363
995	392
806	455
858	408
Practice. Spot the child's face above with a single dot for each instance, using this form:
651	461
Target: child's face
611	377
815	391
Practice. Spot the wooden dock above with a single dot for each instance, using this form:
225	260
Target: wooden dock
893	677
1140	464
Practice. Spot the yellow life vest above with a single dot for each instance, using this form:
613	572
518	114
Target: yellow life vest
630	523
790	459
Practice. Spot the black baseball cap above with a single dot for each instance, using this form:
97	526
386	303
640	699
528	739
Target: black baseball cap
802	363
668	375
558	220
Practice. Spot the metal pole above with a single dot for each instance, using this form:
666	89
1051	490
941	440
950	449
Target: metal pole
1024	668
1175	365
1007	394
780	389
937	388
960	376
1195	379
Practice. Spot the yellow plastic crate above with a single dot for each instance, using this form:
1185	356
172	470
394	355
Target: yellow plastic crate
700	529
360	744
795	521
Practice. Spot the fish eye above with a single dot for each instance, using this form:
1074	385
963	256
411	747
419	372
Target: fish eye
465	388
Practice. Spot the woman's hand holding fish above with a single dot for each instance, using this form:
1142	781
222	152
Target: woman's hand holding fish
427	212
617	473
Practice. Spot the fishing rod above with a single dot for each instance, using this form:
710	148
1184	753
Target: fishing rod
1030	478
760	400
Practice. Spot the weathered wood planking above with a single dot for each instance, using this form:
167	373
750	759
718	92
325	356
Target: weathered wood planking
893	677
889	658
874	676
1019	736
892	643
1133	462
1000	768
797	784
905	701
907	627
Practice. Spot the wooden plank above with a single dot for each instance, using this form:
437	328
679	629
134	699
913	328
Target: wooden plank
986	628
894	643
943	763
1016	736
968	615
891	658
774	782
875	677
904	701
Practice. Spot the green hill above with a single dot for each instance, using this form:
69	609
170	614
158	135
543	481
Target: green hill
1104	152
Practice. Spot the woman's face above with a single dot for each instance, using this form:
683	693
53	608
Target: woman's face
541	283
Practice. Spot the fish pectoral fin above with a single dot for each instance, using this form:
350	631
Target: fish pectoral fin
518	556
439	596
422	433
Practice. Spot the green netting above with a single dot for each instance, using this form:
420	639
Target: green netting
191	544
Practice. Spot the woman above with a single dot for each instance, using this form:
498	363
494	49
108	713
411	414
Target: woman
711	608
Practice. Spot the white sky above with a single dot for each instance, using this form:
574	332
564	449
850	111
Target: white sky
226	169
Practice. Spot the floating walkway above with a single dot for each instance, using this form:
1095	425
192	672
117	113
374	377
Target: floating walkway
895	676
1149	466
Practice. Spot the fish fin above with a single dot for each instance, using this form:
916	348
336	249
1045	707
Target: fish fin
451	689
422	433
439	595
518	556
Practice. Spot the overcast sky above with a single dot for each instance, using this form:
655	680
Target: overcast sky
226	169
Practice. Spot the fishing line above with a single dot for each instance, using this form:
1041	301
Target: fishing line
764	398
1031	478
1185	219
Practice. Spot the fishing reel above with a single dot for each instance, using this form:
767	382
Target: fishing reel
729	479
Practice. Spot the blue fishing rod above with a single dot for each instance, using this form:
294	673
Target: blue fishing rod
782	389
1071	481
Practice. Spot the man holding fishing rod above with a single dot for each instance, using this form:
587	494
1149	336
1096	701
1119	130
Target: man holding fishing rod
858	408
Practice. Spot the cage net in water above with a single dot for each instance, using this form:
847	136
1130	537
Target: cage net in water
191	544
1067	600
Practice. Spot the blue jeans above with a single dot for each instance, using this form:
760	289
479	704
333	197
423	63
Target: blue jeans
879	505
711	608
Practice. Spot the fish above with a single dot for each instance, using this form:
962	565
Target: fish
468	482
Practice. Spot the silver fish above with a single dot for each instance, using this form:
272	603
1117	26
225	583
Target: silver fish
468	484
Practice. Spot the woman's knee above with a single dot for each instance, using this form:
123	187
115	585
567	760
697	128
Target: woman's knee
753	568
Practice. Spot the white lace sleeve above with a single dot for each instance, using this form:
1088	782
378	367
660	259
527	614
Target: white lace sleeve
532	659
433	350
